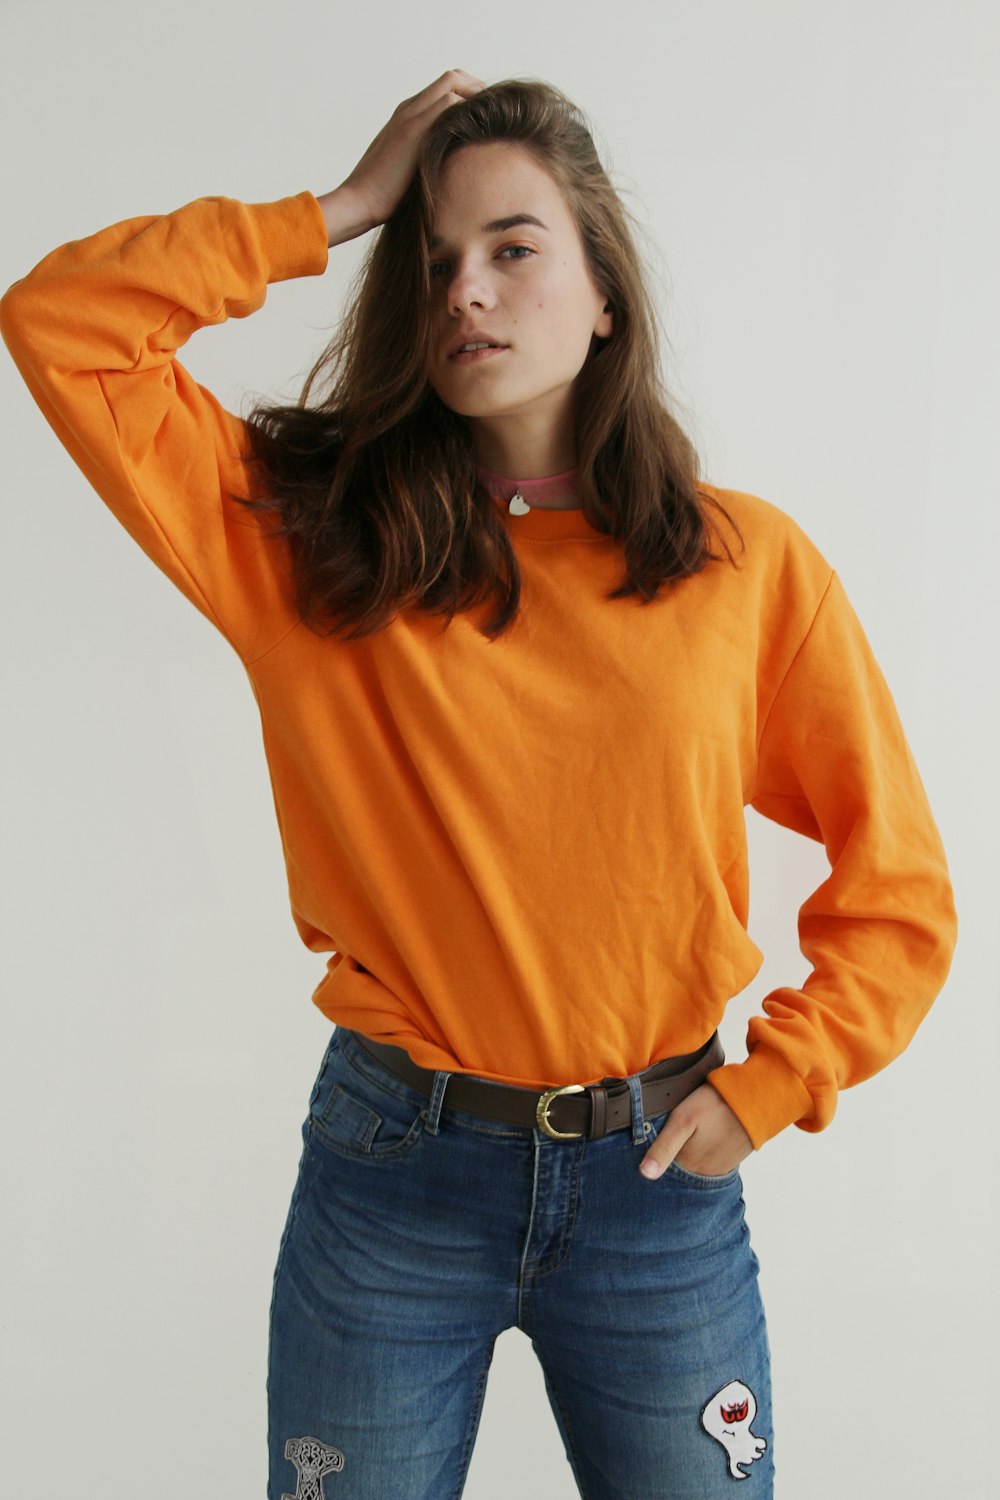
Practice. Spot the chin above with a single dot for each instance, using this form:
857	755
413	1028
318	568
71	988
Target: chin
471	408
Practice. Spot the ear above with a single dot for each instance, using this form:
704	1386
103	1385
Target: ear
604	325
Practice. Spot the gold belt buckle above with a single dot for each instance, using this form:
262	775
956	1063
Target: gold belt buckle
542	1112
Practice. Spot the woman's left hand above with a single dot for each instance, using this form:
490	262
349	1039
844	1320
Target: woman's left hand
714	1140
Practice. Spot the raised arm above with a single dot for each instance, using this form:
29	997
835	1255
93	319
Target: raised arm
94	329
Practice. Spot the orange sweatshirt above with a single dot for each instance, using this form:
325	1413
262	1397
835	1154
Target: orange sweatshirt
526	858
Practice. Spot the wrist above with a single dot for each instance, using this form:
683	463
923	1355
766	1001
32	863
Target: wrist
345	215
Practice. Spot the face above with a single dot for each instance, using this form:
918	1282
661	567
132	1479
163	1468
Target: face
525	286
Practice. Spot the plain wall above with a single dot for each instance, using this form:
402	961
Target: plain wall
817	186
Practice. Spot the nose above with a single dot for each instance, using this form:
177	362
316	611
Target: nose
467	289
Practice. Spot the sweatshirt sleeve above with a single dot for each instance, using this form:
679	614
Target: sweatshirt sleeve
94	329
834	764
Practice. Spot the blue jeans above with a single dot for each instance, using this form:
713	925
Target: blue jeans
417	1233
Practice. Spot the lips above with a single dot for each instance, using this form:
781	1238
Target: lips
456	352
478	356
474	337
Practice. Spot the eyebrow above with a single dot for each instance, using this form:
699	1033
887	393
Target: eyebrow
495	226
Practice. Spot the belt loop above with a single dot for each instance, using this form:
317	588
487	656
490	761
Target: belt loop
437	1100
639	1128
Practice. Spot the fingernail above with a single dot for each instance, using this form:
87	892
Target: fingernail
650	1168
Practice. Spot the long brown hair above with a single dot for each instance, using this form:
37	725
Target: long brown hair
375	487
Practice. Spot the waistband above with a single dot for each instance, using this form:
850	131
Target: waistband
570	1111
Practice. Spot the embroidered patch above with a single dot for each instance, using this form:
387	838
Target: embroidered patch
312	1459
727	1418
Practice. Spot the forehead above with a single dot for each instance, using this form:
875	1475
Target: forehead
482	185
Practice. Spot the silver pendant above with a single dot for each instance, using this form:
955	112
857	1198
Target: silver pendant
518	505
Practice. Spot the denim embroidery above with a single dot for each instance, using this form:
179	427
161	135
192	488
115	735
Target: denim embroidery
312	1459
727	1417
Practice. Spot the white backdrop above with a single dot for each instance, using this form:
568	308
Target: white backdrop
817	185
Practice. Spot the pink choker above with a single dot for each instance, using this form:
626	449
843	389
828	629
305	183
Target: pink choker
522	494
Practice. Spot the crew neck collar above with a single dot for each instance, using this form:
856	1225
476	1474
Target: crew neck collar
542	520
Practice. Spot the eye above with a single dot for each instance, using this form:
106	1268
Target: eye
433	268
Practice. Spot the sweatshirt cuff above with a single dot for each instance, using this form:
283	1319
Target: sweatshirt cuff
293	235
764	1094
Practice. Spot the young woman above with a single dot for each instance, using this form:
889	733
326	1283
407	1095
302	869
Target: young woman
515	700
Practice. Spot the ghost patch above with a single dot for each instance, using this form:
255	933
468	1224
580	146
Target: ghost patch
727	1417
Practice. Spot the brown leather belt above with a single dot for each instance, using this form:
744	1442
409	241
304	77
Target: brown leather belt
567	1112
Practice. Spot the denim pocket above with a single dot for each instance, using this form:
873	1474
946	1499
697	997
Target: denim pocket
360	1112
701	1179
684	1174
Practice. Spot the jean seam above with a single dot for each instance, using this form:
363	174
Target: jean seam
537	1267
293	1211
574	1455
473	1424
